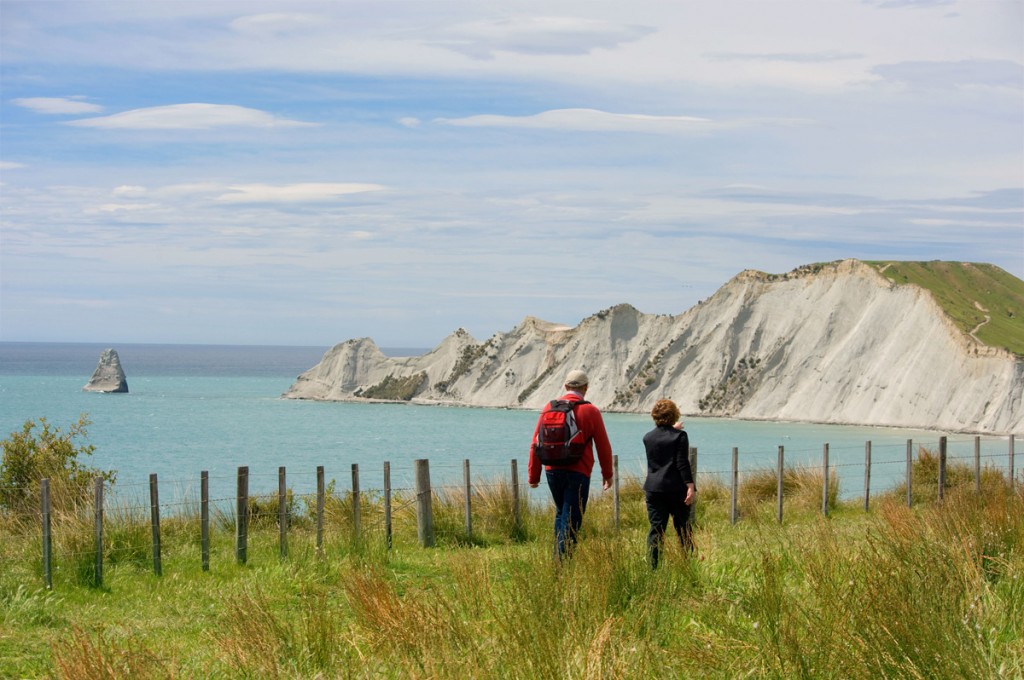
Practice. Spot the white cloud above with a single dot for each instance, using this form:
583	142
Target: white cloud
950	74
189	189
957	224
590	120
293	193
129	190
126	207
58	105
914	4
798	57
275	24
541	35
409	122
10	165
196	116
804	44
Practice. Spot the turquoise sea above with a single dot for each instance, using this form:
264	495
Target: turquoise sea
192	408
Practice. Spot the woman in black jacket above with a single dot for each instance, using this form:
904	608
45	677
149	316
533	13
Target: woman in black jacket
669	485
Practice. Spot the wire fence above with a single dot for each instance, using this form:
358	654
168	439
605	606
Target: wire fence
126	526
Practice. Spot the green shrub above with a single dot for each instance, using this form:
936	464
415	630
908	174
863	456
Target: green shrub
264	511
41	451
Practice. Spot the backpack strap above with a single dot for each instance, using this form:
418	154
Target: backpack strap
570	402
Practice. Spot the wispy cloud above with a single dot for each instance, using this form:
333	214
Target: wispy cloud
590	120
58	105
795	57
276	24
537	36
949	74
126	207
294	193
913	4
196	116
129	190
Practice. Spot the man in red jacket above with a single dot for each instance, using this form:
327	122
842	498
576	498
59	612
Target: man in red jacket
570	483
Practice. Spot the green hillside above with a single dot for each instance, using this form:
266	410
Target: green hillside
976	296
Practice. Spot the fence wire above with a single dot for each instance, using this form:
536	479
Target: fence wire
128	506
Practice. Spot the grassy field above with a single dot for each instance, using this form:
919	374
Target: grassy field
975	296
933	591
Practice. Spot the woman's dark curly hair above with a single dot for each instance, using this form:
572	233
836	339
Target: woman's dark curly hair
665	412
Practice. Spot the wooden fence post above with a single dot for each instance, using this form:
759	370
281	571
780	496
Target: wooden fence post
98	530
204	518
44	500
357	505
154	514
910	472
615	490
387	504
942	468
867	475
424	509
824	484
242	516
977	465
517	517
735	483
320	492
780	472
467	479
282	513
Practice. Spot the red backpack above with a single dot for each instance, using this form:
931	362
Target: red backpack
559	439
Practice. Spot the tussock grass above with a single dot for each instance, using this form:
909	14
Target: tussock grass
936	590
924	487
85	656
300	635
801	489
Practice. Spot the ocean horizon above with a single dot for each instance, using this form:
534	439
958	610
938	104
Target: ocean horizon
214	408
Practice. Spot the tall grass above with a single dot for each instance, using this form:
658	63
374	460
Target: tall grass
802	489
299	636
924	487
85	656
936	590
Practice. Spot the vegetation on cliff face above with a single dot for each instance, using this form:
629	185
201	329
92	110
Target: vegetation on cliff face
982	299
728	395
641	379
401	388
532	387
470	354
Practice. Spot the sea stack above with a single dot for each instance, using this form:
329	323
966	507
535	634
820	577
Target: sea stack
108	376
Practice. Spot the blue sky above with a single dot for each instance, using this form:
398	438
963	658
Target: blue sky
308	172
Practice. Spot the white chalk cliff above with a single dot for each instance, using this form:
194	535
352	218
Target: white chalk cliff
835	343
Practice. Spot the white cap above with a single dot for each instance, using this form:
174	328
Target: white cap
576	378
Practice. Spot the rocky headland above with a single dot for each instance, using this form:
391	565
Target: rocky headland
831	343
